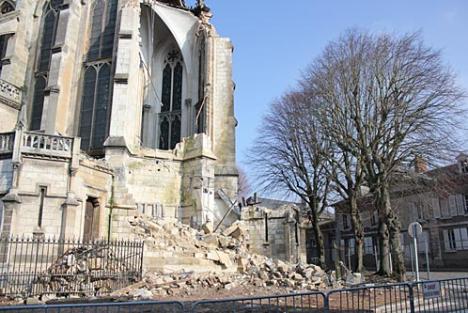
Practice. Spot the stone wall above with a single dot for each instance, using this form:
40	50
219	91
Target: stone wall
275	232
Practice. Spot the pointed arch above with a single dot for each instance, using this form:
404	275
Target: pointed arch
96	95
6	7
50	18
171	108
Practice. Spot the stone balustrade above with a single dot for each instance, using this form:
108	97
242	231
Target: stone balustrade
7	141
37	144
49	145
10	93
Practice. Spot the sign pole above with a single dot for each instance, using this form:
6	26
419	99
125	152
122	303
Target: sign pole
415	244
427	260
415	230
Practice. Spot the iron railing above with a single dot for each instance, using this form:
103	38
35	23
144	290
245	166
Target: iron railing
38	266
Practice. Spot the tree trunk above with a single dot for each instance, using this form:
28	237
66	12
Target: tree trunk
394	227
383	207
320	246
389	233
318	238
384	255
358	233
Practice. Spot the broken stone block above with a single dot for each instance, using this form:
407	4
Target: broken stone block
142	294
225	242
212	255
33	301
208	227
242	264
296	276
263	275
234	231
211	240
224	259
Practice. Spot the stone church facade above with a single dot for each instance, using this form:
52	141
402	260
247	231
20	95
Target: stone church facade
109	108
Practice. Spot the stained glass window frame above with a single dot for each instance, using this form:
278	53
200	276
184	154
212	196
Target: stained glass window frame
172	94
43	61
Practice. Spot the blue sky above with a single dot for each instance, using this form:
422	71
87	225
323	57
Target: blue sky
275	39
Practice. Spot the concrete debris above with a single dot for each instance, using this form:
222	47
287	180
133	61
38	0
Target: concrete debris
224	258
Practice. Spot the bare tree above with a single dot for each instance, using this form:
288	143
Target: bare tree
346	168
401	100
289	157
244	188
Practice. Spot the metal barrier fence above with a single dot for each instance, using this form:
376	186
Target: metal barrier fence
441	296
299	302
37	266
123	307
384	298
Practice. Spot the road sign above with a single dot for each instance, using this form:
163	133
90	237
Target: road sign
431	290
415	230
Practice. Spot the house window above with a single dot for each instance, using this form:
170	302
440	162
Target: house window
466	203
451	240
453	205
368	245
345	221
97	82
456	239
266	227
171	106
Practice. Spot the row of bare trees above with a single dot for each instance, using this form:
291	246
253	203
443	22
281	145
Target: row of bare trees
361	112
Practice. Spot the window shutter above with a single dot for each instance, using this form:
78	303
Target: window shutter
458	240
460	204
436	207
446	240
444	210
453	205
464	238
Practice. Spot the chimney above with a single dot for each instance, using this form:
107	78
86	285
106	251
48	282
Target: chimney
420	165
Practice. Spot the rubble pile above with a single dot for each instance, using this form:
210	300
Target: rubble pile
83	268
233	265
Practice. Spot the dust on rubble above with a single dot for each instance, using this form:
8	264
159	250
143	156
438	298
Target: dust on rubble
231	270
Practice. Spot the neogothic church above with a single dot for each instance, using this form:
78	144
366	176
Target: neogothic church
111	108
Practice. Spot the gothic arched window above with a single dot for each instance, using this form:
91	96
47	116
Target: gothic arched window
3	48
97	91
6	7
49	30
200	106
171	107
